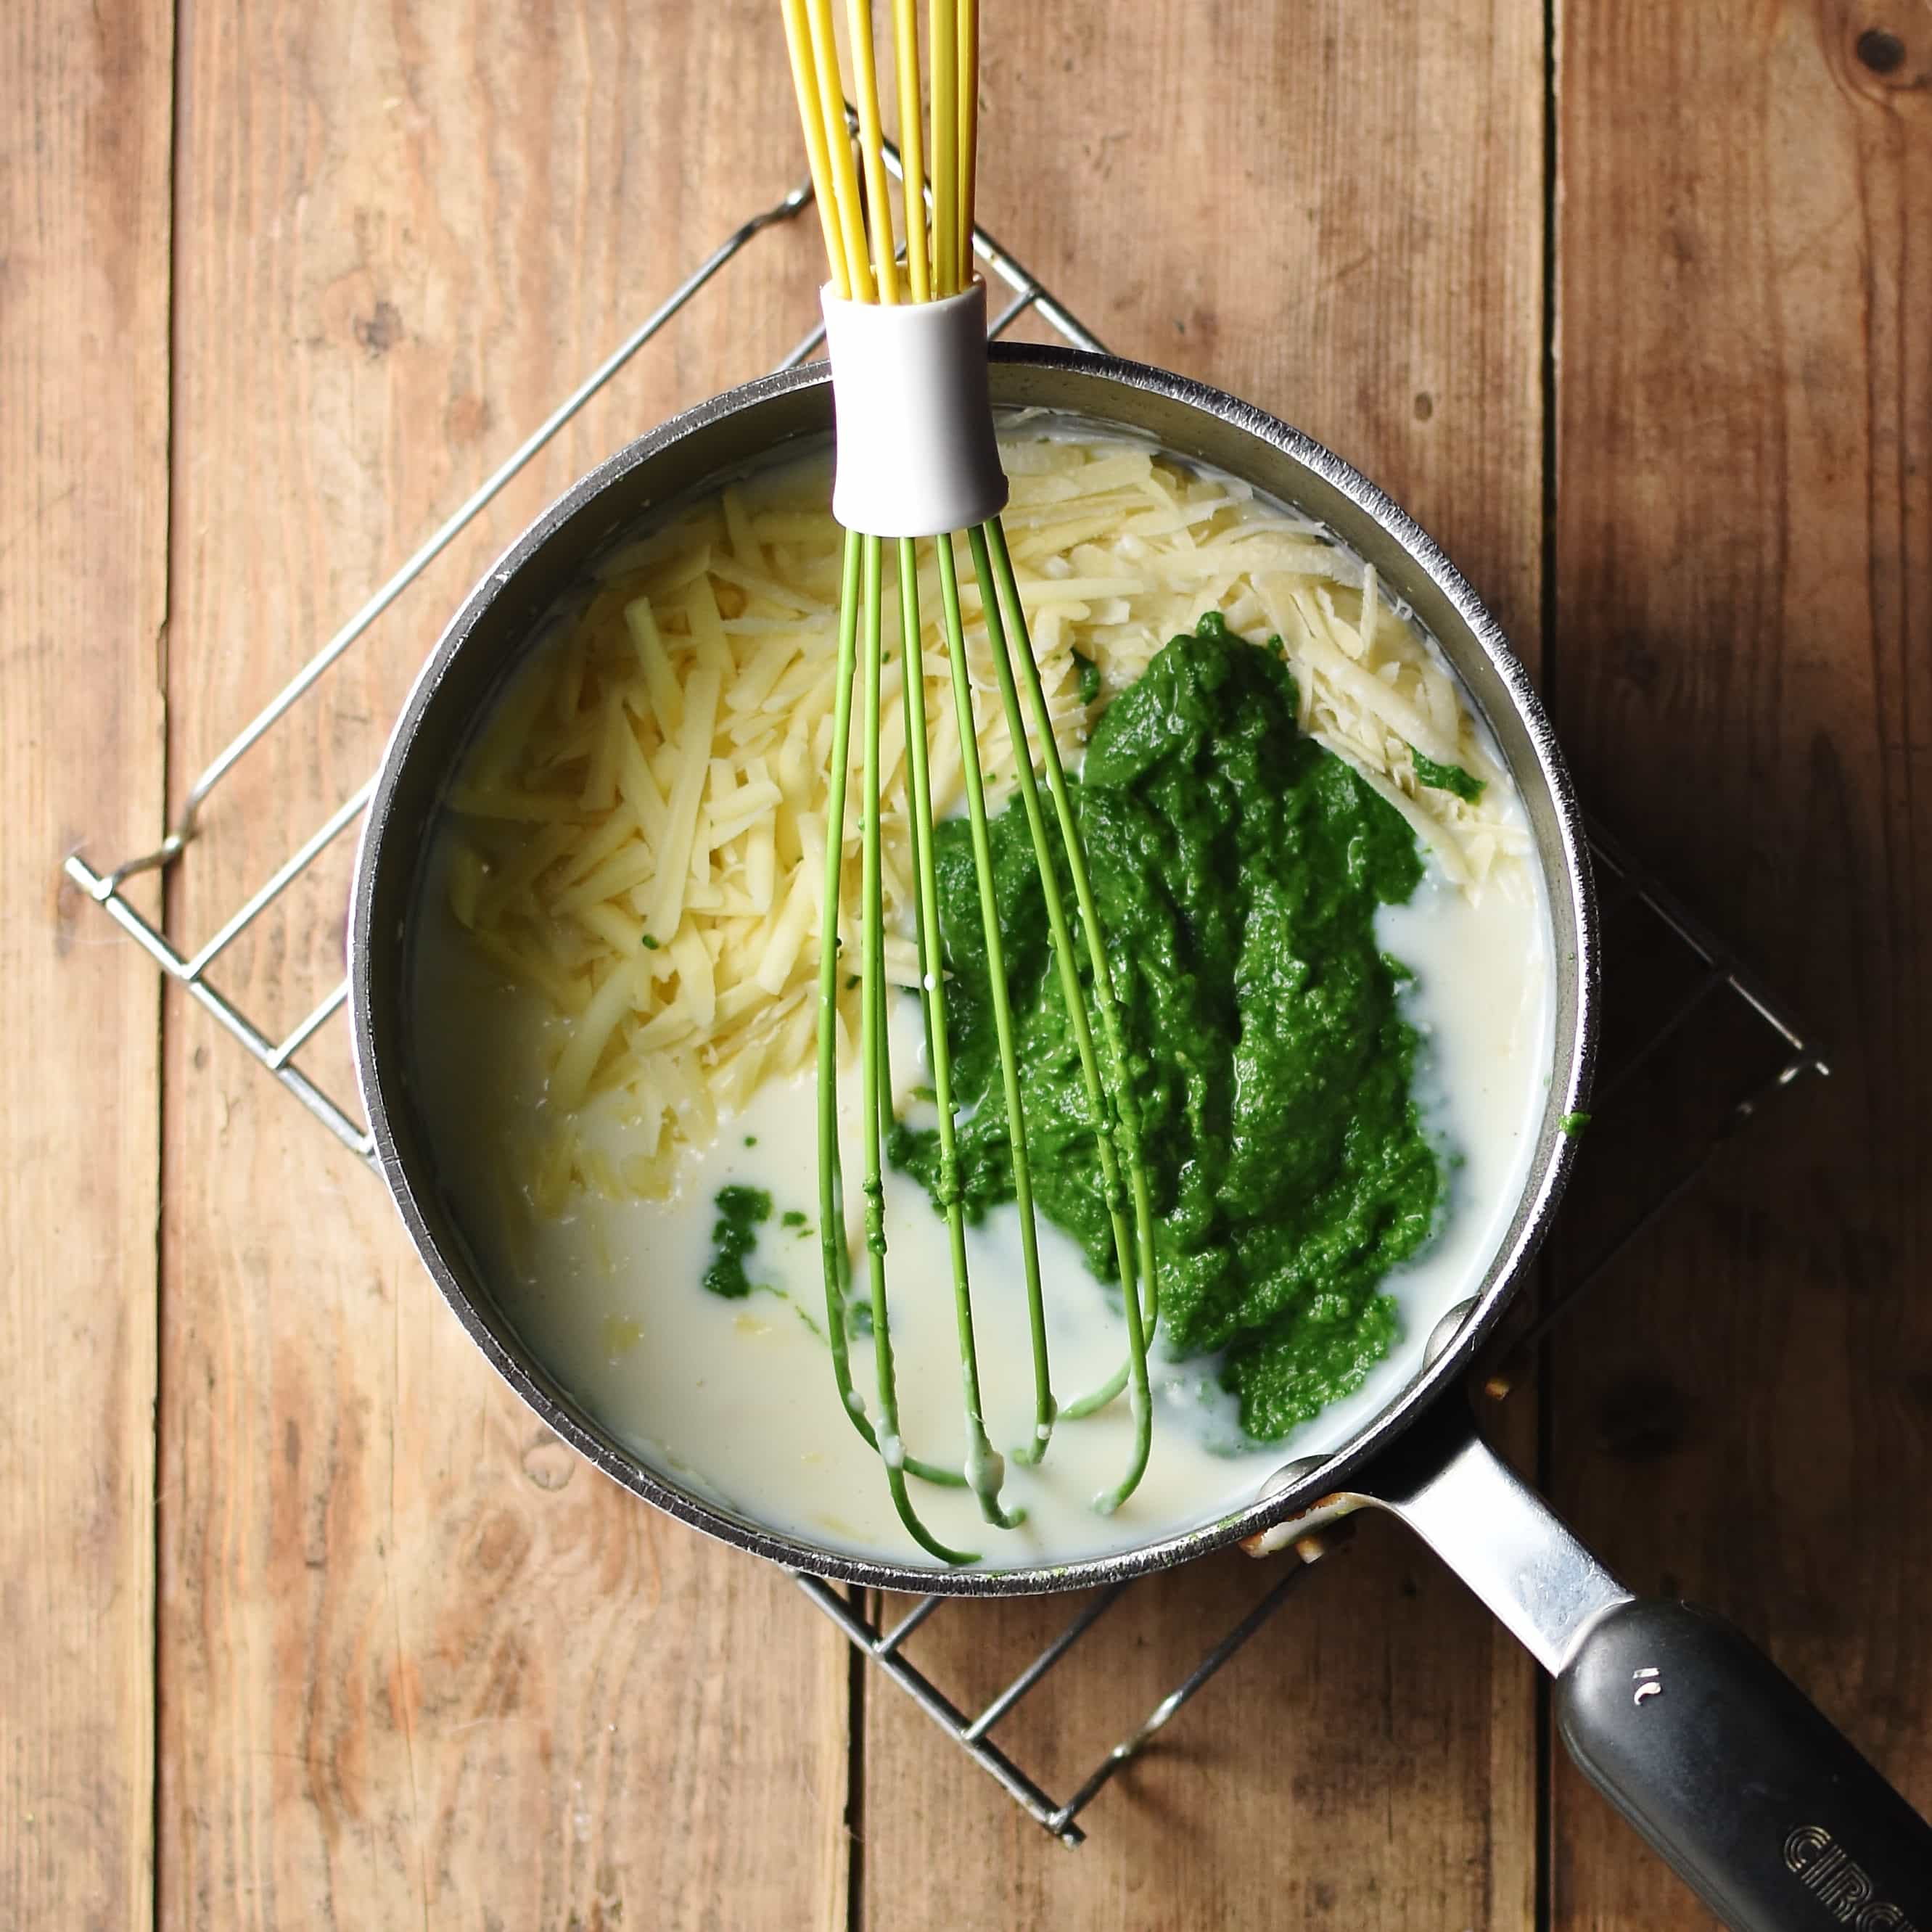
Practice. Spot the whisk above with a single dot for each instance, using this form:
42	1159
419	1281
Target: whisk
917	458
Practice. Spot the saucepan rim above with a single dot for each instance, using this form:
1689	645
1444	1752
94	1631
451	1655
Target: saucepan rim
382	1061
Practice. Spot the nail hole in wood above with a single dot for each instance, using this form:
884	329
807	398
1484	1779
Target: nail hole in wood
1882	52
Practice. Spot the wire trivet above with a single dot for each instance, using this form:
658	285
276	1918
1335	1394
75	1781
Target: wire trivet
1744	1049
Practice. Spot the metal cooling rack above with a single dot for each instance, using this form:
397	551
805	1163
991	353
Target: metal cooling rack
1697	979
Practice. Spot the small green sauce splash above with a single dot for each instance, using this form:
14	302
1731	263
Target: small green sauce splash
1446	777
741	1210
1090	678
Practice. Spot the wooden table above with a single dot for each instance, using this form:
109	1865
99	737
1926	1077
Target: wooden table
303	1620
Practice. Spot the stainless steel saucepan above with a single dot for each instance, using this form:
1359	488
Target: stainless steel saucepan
1714	1755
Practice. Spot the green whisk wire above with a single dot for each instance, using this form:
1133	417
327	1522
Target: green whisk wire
984	1467
831	1183
939	1050
932	995
1129	1117
1114	1118
874	1103
831	1180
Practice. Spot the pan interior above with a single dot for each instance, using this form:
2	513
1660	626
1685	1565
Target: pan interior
508	614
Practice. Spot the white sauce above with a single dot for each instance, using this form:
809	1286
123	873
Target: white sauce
734	1401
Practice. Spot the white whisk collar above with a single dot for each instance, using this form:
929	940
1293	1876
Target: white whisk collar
916	452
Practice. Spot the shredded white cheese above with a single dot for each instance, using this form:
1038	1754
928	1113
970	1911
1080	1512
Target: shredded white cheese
644	842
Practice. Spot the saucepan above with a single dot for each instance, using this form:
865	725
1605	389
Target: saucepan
1712	1753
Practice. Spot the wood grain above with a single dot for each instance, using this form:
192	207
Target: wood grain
1340	216
84	151
415	1665
418	1666
1744	671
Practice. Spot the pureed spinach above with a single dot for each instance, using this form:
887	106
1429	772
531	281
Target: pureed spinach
1237	867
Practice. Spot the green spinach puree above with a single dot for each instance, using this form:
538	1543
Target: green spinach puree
1237	867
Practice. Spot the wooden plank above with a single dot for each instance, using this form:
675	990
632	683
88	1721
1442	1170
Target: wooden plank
417	1667
1744	622
1339	215
84	153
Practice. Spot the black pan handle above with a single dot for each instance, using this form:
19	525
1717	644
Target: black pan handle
1726	1766
1702	1743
